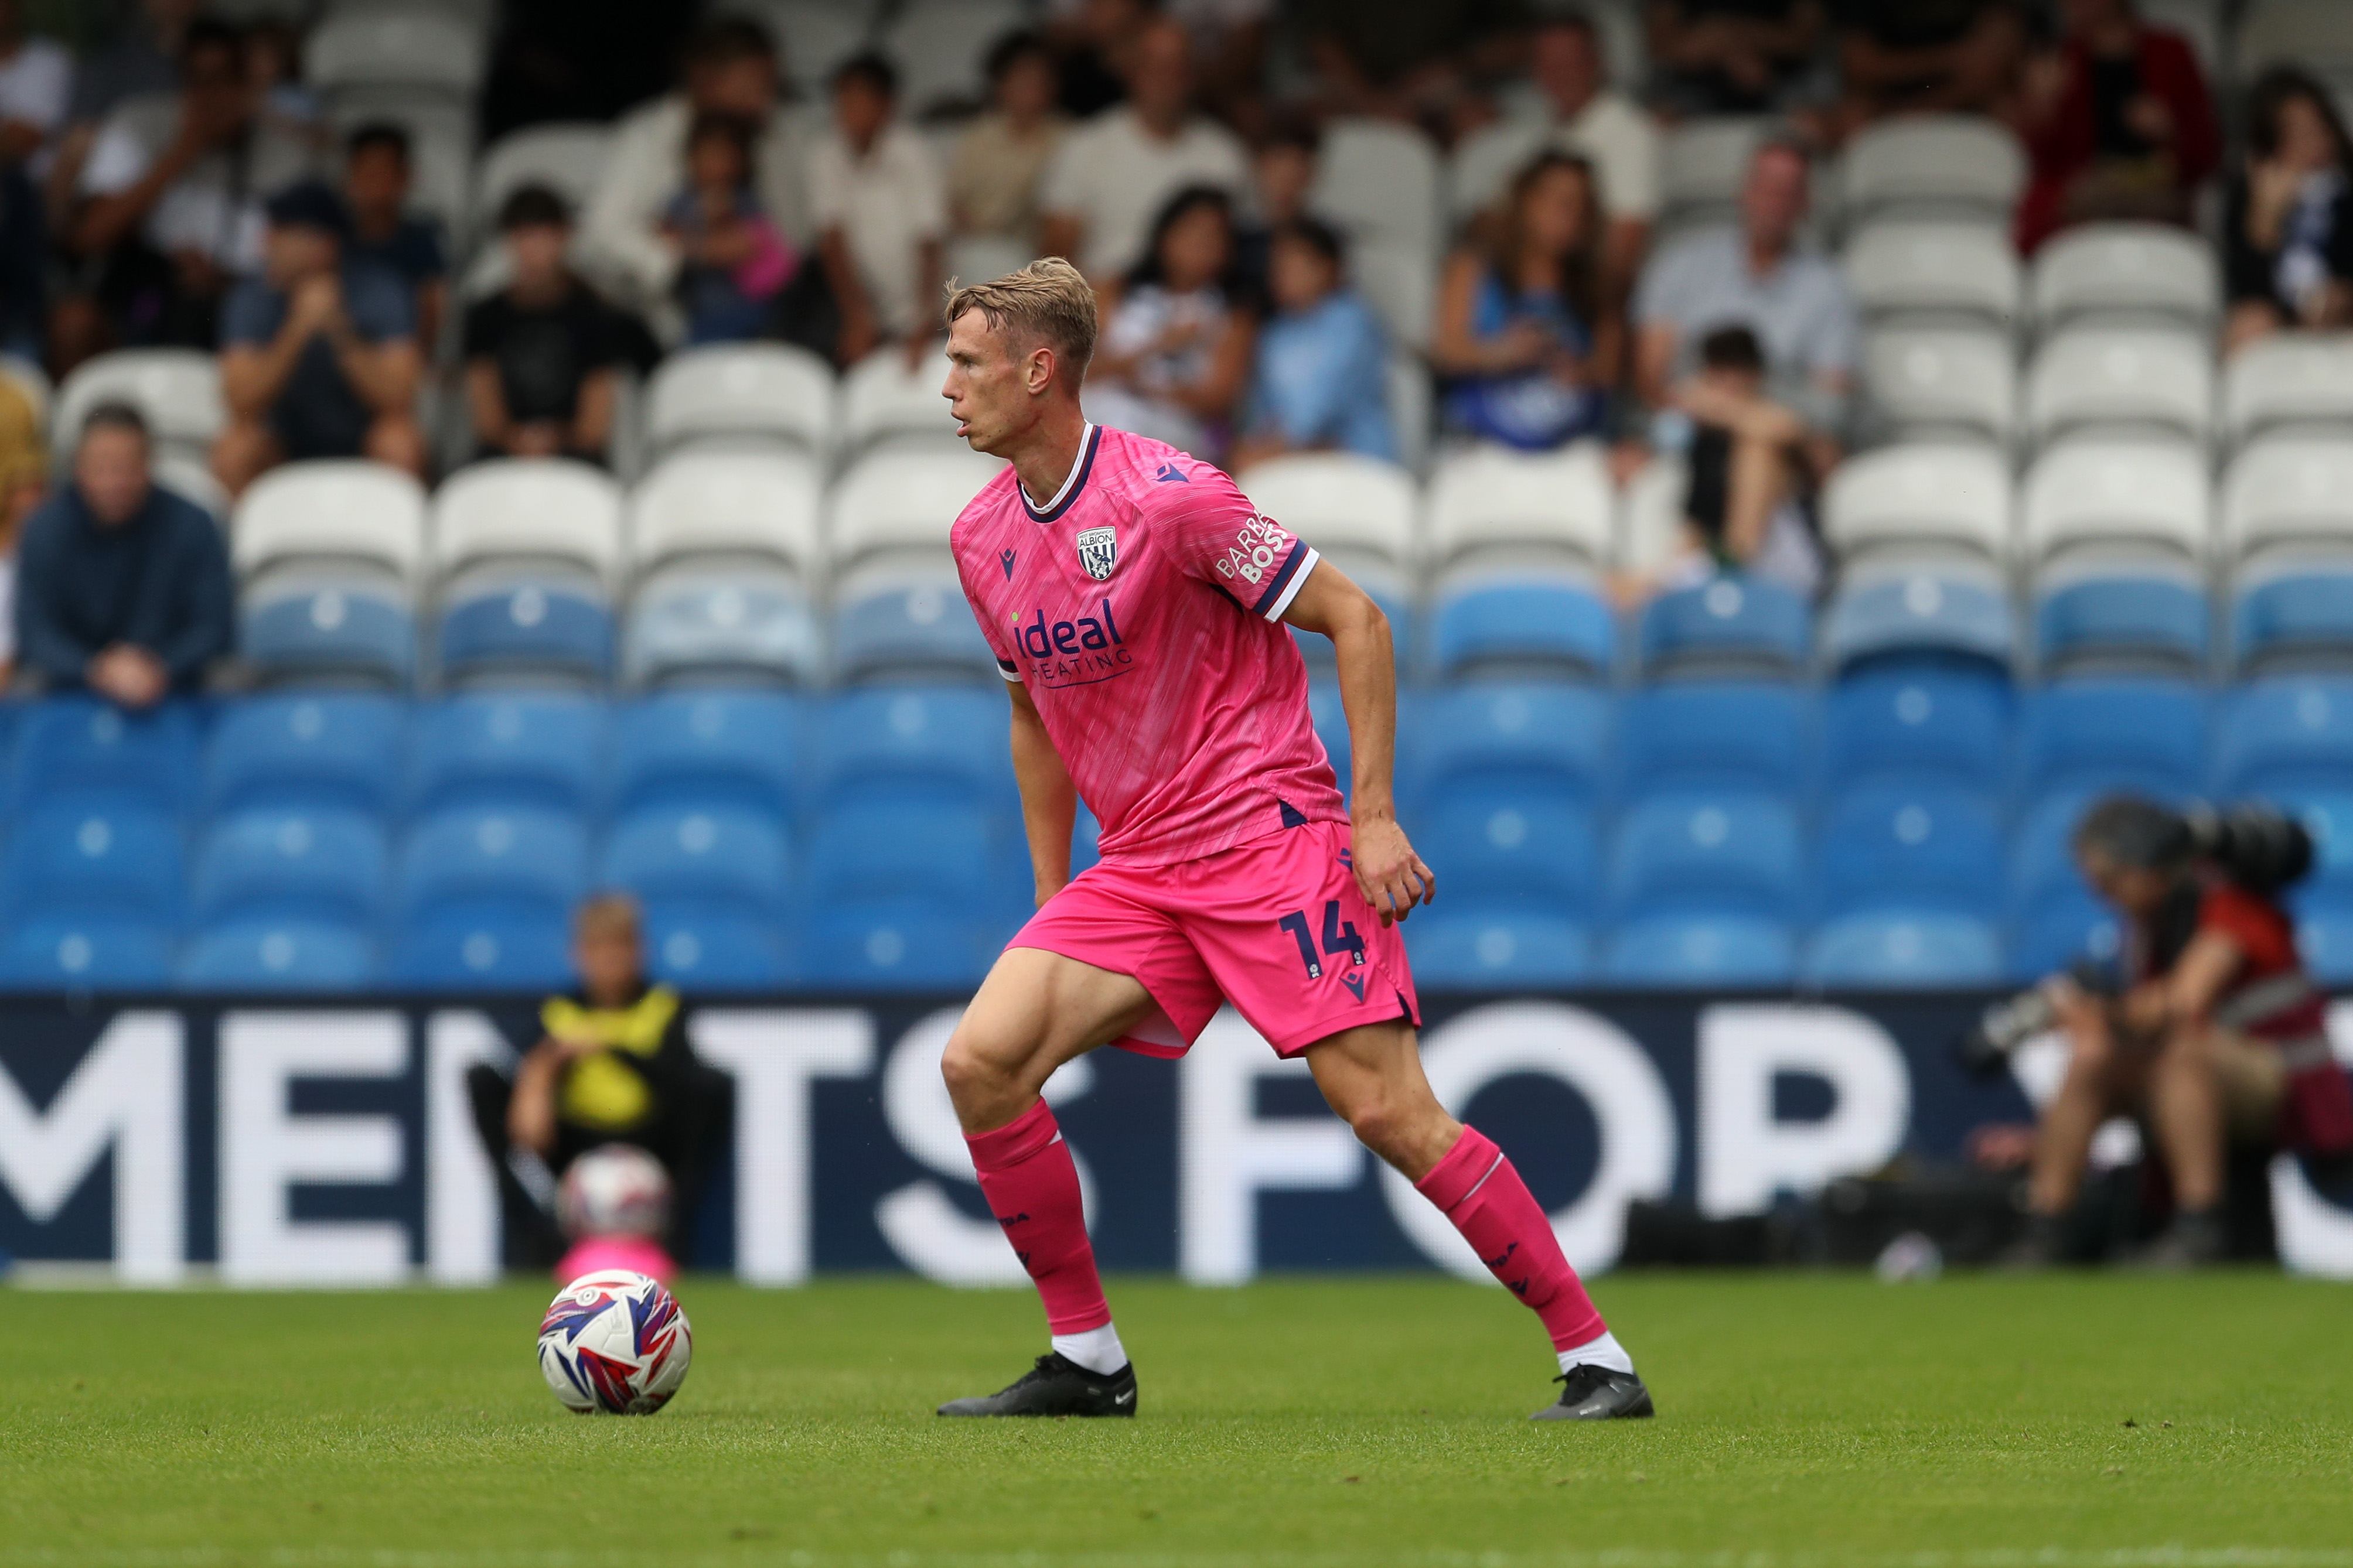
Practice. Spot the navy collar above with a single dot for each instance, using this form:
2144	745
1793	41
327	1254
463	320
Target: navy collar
1073	483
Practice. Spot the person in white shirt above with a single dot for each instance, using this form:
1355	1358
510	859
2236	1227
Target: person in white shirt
1116	171
36	87
881	214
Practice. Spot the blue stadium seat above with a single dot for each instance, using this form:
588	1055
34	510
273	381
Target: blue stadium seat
2286	731
543	749
2327	814
1085	835
278	955
919	629
2299	617
2324	930
1702	952
2057	932
1706	852
718	858
1911	845
98	952
935	742
1739	734
2114	733
1389	594
1471	946
1919	614
1502	844
1904	950
929	851
1331	721
1729	624
2124	619
490	857
745	626
108	855
698	948
78	749
330	633
1533	626
322	750
1542	739
741	748
484	949
294	864
528	629
893	946
1923	719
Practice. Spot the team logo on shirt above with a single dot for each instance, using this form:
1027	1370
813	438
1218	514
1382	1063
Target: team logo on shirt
1098	552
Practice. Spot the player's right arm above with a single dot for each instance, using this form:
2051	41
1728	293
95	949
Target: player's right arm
1050	803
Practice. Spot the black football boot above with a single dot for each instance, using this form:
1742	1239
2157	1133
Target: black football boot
1597	1393
1055	1387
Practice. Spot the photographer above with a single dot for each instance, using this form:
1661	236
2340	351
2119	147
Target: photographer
2213	1031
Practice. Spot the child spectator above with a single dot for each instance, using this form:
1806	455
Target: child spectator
992	183
735	263
881	214
544	355
1175	350
1748	503
1283	170
376	177
1520	329
1321	366
2287	234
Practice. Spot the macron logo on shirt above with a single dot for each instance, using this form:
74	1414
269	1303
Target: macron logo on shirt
1169	472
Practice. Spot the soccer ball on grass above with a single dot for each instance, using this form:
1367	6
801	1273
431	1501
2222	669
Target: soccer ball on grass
615	1343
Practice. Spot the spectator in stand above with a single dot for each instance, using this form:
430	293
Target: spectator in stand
1093	41
2287	230
1116	171
1523	335
1000	159
24	486
273	60
170	211
36	90
1321	363
1755	276
734	263
1406	59
1922	57
2117	122
144	58
1748	500
122	588
1593	119
318	355
1283	170
376	177
1175	349
730	68
544	354
1732	57
882	216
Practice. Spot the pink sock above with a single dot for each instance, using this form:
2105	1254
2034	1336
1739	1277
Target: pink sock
1476	1187
1033	1190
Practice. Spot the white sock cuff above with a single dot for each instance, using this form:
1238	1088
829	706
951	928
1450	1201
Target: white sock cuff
1603	1351
1097	1349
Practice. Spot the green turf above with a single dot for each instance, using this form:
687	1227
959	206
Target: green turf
2105	1422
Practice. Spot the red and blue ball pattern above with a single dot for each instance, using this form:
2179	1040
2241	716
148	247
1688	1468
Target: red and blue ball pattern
615	1343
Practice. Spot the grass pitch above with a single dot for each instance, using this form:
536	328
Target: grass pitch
2049	1423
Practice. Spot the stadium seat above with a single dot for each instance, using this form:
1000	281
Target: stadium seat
1732	734
699	950
2289	491
524	631
1399	280
566	157
870	851
79	749
742	392
184	475
2324	930
1911	612
1903	951
1344	506
2327	815
1911	845
904	501
2127	381
84	952
1918	719
698	623
2113	733
818	37
544	750
484	949
336	751
89	856
1651	530
942	743
1480	168
1706	852
1913	501
1701	953
2058	932
2294	612
1504	845
2110	617
2125	273
1726	626
1394	592
1409	396
1548	740
2104	493
1331	721
894	625
1702	163
1940	384
1377	180
346	514
528	510
729	506
296	863
177	391
894	946
1488	504
2286	733
301	630
884	401
941	47
424	47
1523	625
520	860
2289	382
739	749
1925	272
278	955
1474	946
1934	165
717	858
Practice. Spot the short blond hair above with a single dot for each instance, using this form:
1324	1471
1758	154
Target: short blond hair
607	915
1049	299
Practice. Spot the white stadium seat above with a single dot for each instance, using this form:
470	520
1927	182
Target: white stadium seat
2110	379
728	502
528	508
178	391
2288	379
978	258
190	478
1480	168
342	509
1344	506
941	47
1925	499
1377	178
760	391
423	45
1702	163
567	158
33	383
1399	281
1488	503
896	500
2117	493
1937	383
1406	387
814	35
884	400
1940	163
2288	489
1942	270
1651	530
2140	270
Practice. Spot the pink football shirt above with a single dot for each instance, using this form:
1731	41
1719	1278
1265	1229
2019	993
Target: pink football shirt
1142	608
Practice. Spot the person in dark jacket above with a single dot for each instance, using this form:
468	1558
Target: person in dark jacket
122	588
2287	225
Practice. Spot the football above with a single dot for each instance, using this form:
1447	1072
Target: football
614	1189
615	1343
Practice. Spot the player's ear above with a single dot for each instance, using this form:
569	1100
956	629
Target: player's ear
1038	374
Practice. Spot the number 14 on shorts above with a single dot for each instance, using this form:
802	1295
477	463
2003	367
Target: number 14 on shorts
1339	936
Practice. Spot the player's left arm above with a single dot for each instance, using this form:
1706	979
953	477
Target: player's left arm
1391	876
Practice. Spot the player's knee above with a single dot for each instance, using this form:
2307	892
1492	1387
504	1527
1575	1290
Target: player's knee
1382	1123
974	1075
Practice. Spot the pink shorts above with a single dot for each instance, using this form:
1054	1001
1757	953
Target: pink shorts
1276	926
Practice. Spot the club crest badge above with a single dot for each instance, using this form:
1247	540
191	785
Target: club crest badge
1098	552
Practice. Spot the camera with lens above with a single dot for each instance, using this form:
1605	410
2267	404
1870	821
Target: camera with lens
2259	848
2010	1022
